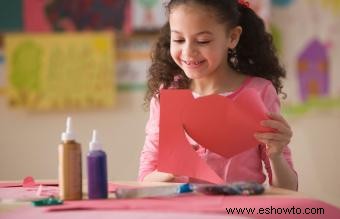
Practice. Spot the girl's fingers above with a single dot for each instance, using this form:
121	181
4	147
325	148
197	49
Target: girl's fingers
270	142
264	141
271	136
278	117
276	139
279	126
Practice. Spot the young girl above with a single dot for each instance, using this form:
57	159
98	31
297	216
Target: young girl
220	47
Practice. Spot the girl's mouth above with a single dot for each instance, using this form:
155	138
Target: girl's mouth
193	64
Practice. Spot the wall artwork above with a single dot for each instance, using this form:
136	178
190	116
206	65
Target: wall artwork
60	71
309	54
133	61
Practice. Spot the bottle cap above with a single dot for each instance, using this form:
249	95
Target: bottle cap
68	135
95	144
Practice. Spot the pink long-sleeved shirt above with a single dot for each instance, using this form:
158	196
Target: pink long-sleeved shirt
247	166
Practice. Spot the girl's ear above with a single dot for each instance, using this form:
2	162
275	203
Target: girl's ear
234	37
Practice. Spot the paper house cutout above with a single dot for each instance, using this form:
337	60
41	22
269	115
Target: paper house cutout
313	71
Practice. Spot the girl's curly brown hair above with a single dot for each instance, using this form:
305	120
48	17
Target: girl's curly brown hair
255	51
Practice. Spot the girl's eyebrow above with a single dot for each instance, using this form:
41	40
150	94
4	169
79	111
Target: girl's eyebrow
199	33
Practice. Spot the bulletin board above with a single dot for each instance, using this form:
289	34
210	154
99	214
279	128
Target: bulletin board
60	71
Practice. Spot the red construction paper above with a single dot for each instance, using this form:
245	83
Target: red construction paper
221	124
175	152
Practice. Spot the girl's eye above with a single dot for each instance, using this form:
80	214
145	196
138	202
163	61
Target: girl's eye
178	41
203	42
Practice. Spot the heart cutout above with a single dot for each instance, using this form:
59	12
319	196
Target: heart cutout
223	125
28	182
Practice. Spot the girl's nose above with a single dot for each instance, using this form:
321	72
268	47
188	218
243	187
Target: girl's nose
189	51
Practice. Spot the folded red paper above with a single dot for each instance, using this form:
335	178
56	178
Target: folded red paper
223	125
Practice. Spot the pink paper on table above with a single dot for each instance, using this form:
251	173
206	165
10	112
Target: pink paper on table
10	184
35	191
212	204
221	124
27	194
28	182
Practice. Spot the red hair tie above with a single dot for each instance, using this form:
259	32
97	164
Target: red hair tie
244	3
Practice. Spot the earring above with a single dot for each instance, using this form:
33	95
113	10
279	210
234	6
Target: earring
232	58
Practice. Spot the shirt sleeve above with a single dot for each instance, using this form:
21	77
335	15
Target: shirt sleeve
149	153
272	102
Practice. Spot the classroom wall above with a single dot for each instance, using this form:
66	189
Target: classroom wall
315	148
29	141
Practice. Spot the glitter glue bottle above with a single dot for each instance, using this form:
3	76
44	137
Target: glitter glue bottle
70	172
96	170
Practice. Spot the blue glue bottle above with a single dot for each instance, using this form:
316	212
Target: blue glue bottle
96	170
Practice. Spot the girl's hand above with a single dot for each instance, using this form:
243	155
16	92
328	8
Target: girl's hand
275	141
157	176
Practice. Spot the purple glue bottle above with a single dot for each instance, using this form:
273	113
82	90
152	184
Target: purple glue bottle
96	170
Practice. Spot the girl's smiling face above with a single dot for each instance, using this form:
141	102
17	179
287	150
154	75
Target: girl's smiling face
199	43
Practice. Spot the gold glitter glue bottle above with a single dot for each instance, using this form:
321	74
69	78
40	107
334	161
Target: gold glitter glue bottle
70	171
